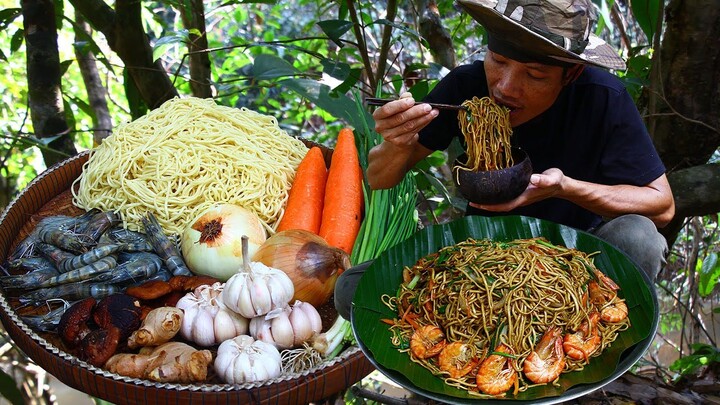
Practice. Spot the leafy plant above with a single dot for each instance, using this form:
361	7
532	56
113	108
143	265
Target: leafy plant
703	355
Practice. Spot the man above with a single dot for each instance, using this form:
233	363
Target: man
595	166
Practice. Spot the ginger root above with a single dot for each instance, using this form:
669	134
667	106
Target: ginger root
174	362
159	326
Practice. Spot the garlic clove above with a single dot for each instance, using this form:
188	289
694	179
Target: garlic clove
283	332
190	312
262	300
204	330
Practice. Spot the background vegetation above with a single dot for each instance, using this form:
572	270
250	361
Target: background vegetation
72	70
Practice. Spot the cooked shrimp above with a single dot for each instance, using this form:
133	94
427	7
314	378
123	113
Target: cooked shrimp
457	359
547	361
497	372
427	341
583	343
612	308
606	281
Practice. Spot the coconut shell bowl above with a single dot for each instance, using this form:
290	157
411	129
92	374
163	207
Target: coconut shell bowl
494	186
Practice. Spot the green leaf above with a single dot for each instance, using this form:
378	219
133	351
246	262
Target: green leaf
646	13
335	68
267	66
2	56
8	15
64	66
338	105
349	83
335	29
385	274
9	389
709	275
702	355
17	40
164	43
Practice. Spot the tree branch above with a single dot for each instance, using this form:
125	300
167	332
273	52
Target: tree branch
124	32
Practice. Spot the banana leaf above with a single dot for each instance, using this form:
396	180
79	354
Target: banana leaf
385	274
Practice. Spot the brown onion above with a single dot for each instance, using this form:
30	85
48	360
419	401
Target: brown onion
308	260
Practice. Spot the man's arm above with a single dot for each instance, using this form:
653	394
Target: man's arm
654	200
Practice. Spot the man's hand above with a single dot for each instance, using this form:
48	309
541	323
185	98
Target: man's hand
542	186
400	121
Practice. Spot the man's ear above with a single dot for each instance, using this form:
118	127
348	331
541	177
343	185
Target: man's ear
573	73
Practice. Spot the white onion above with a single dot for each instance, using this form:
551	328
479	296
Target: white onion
212	243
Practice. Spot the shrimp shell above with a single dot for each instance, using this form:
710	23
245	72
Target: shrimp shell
88	272
164	247
72	292
139	267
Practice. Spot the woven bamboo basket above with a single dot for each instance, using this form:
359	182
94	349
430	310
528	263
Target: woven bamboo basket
49	194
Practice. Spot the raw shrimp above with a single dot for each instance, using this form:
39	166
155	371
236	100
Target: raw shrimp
72	292
458	359
91	271
139	266
54	253
164	247
133	241
33	278
427	341
497	372
26	247
612	308
98	224
163	275
47	322
583	343
64	239
31	263
89	257
547	361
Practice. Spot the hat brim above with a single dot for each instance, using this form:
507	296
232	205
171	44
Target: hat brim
597	52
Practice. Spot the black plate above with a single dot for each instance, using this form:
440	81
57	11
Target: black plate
385	274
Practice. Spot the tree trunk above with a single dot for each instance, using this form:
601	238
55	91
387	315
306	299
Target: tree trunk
193	17
438	39
97	93
43	75
123	29
686	124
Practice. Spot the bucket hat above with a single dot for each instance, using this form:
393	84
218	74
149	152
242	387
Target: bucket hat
555	29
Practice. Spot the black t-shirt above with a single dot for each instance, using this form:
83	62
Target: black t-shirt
593	132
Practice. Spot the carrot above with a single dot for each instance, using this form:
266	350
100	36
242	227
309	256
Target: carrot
306	198
344	201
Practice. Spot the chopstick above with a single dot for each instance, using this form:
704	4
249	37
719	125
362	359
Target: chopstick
383	101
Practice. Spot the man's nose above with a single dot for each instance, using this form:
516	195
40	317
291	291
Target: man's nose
510	85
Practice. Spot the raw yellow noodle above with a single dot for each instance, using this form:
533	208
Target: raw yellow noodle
187	155
486	129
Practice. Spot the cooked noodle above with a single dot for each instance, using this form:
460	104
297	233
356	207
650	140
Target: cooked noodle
187	155
486	129
485	292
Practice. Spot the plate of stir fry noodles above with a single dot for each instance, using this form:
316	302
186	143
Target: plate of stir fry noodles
504	309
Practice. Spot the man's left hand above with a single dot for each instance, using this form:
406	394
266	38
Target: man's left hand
542	186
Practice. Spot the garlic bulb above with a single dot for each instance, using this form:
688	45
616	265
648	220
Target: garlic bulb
207	321
257	289
287	327
244	359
